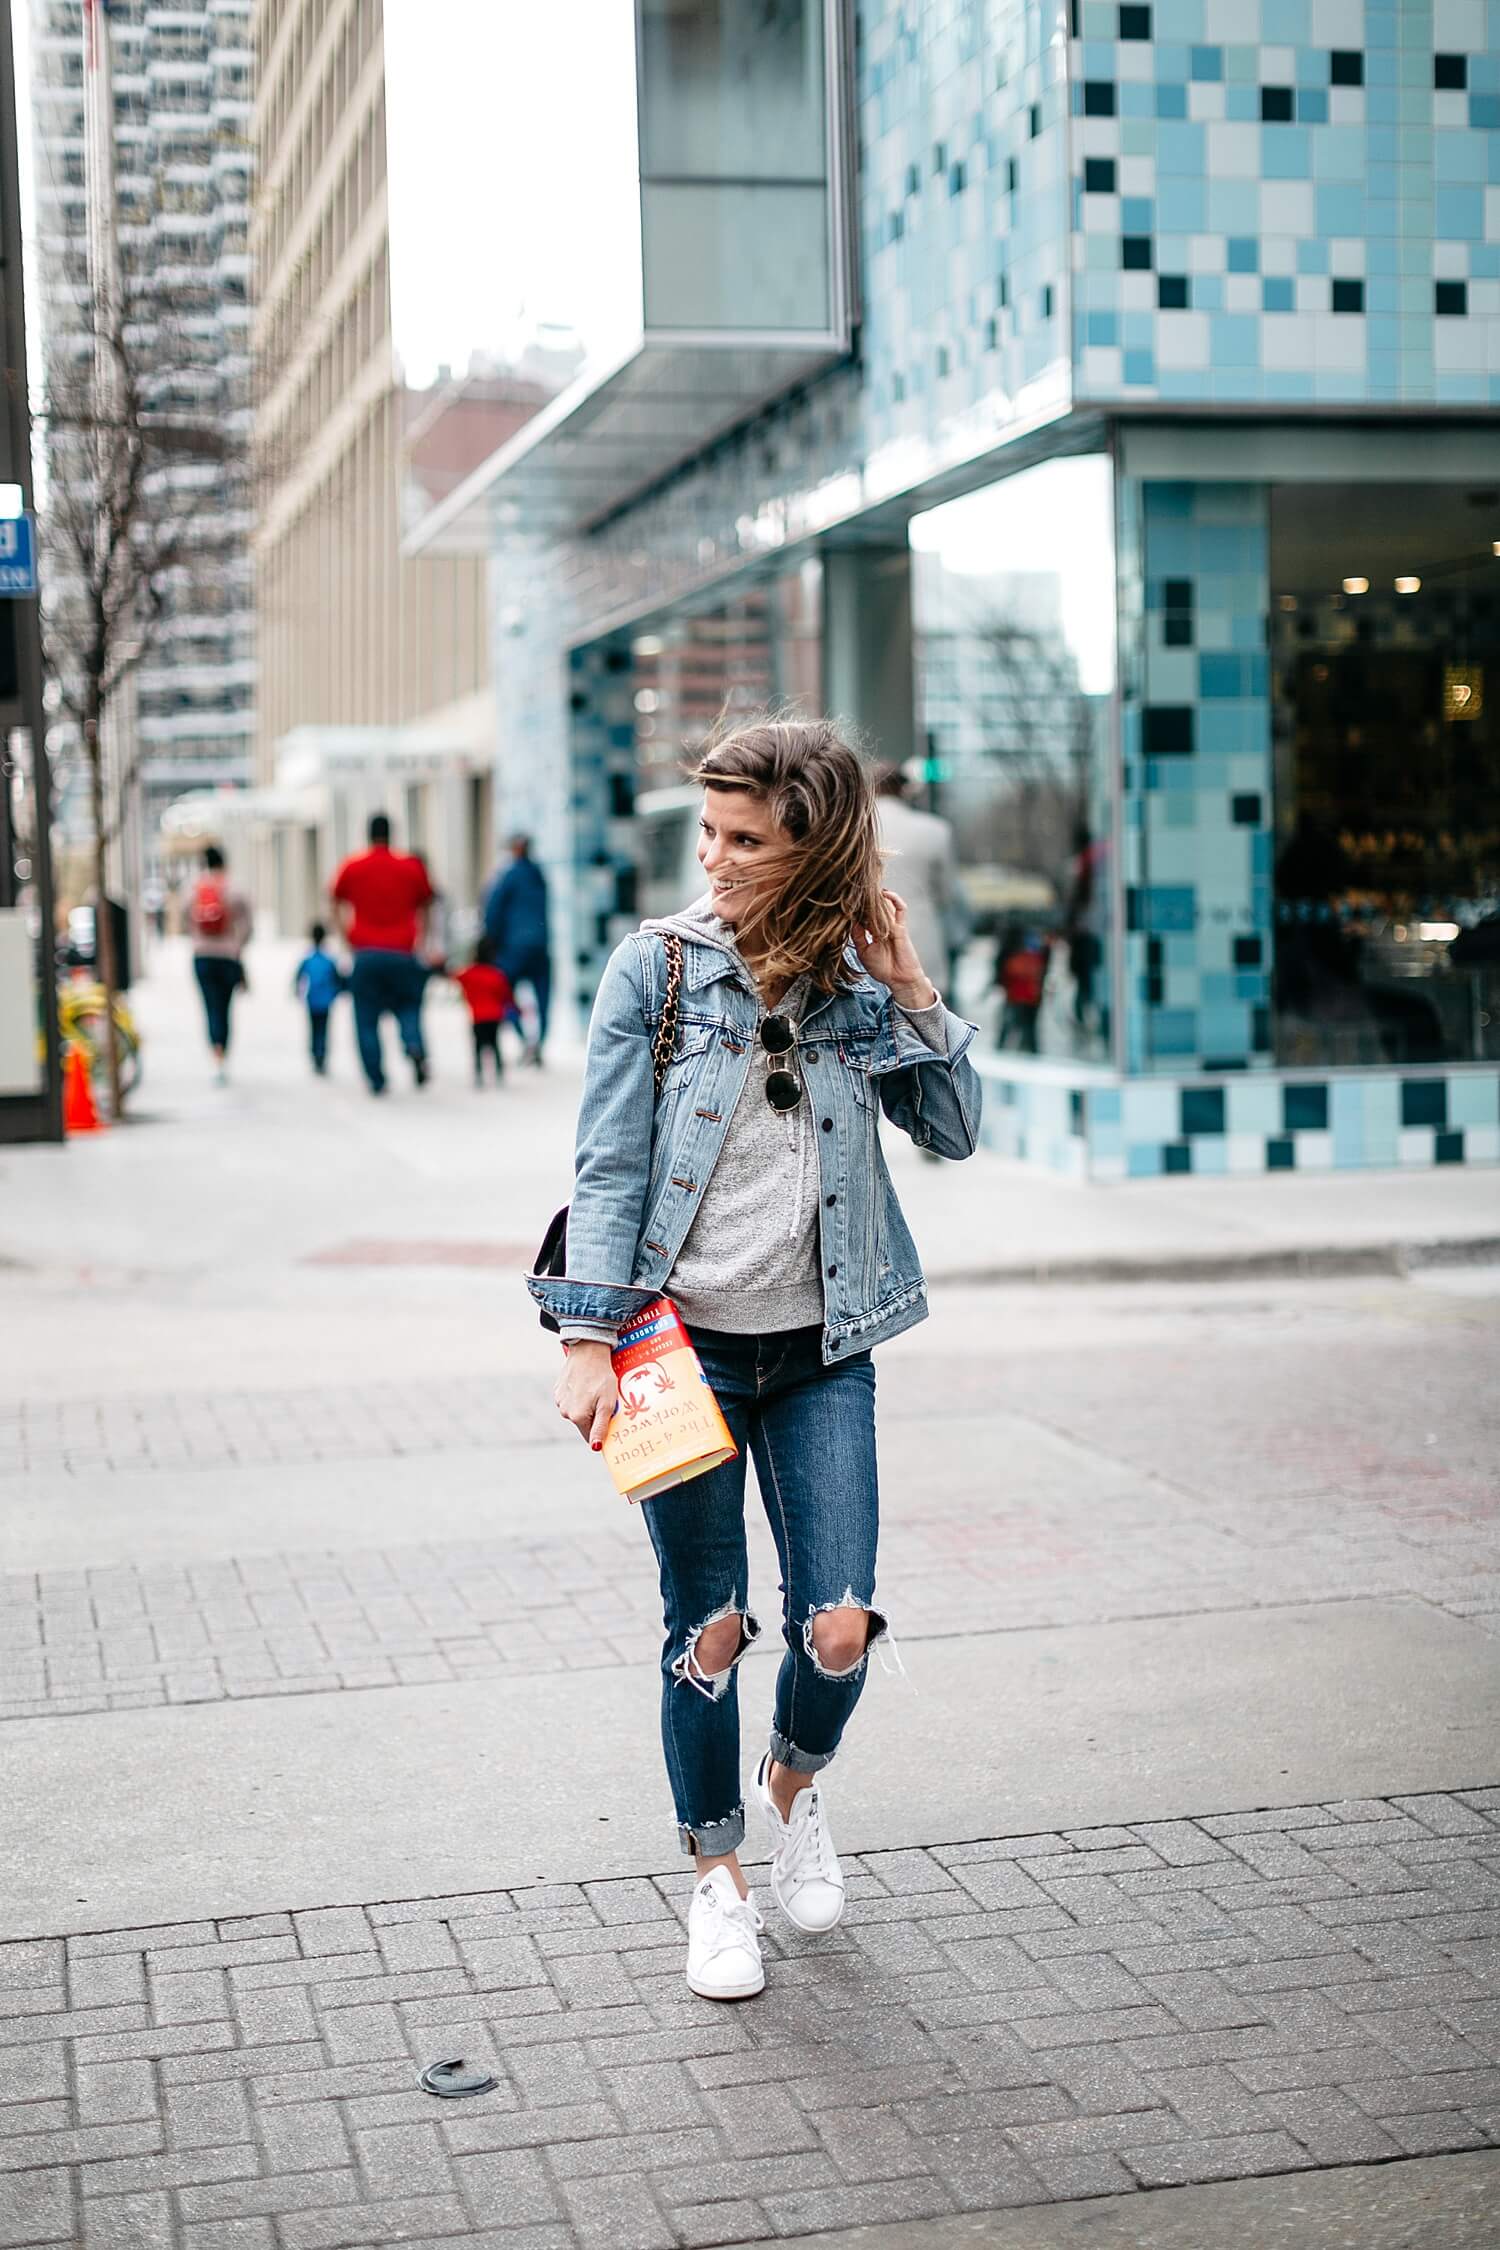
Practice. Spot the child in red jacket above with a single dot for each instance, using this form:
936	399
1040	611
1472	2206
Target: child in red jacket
486	989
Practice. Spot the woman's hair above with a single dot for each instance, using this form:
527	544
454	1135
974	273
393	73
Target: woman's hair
806	899
212	856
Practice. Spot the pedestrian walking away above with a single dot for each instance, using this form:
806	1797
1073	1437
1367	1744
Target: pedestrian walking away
922	863
219	923
515	922
319	981
382	898
490	1002
753	1192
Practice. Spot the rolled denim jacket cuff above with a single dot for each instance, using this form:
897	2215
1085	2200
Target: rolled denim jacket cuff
596	1303
911	1047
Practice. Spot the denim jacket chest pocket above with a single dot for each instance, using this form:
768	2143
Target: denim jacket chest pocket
853	1054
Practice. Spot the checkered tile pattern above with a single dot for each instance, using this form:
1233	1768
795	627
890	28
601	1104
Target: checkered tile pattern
1287	202
1243	1122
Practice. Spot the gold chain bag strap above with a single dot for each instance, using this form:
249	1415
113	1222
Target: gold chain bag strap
552	1258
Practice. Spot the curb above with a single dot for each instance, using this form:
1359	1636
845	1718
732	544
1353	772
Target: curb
1316	1262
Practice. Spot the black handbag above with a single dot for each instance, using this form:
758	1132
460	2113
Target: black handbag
552	1257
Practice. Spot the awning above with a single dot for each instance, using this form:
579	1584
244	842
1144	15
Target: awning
606	439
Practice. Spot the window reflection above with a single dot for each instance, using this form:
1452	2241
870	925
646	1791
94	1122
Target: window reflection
1014	601
762	650
1387	852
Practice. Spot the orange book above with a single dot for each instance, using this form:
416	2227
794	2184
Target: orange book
667	1427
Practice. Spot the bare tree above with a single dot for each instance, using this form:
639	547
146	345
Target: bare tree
136	525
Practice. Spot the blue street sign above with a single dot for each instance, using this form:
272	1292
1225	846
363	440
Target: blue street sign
17	556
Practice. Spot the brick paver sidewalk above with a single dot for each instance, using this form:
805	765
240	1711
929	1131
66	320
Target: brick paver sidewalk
1010	2022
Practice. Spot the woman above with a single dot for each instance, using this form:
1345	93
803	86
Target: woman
219	924
753	1192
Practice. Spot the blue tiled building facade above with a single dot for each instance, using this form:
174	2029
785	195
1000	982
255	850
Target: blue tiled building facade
1249	252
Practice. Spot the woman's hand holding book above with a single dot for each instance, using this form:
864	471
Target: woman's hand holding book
587	1391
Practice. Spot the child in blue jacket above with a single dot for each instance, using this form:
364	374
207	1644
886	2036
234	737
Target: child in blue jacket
319	980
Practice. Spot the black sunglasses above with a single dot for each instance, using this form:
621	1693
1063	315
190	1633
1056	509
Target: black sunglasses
778	1036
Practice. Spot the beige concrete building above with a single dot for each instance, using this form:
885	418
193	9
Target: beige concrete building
375	674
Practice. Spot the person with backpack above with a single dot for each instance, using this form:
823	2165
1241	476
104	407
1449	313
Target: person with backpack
792	1013
219	925
319	981
1021	973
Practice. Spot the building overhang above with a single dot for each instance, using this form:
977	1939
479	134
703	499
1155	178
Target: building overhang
610	436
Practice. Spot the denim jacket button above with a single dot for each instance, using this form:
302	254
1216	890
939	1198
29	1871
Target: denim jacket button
828	1124
830	1200
833	1273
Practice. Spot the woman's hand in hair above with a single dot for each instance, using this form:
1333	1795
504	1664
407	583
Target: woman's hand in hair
891	959
587	1392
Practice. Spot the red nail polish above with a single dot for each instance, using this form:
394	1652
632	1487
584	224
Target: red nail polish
598	1448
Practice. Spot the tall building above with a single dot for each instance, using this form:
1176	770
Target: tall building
1187	312
183	105
375	669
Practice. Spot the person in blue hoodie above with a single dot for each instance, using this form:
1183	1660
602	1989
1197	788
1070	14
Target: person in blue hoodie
319	981
515	922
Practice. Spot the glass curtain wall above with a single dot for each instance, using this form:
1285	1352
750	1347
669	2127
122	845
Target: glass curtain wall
762	649
1385	627
1014	607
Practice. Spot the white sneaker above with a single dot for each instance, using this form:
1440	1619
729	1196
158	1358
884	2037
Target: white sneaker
724	1929
807	1881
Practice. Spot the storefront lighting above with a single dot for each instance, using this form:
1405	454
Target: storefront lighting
1359	585
1438	933
646	699
1408	585
1286	601
1495	546
1463	691
647	645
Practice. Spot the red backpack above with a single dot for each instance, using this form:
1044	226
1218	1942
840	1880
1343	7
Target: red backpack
209	913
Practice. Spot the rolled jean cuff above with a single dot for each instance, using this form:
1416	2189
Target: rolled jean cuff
799	1761
714	1838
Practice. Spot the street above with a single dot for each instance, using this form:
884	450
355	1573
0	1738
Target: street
328	1690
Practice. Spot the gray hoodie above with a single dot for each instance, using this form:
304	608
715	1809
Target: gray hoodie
750	1265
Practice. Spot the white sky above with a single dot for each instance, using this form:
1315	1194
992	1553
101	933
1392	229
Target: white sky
511	143
1056	520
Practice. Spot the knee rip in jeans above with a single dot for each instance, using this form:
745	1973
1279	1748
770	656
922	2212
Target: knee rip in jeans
839	1650
686	1669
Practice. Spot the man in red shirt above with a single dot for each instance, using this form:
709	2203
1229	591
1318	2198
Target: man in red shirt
381	898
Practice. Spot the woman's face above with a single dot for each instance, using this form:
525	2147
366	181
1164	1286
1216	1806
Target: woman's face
735	834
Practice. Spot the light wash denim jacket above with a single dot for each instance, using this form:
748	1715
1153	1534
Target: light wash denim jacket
642	1163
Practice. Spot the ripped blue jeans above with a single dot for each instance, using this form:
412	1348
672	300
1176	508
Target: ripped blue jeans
811	1432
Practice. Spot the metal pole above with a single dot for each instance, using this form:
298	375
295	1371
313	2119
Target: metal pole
15	437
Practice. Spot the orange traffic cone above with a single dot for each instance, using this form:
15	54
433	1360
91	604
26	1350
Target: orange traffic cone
79	1113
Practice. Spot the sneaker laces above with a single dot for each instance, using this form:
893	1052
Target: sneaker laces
809	1852
731	1925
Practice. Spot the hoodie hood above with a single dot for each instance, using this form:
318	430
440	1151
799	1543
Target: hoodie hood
698	924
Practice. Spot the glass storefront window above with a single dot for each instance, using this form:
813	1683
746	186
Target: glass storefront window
763	649
1385	631
1014	609
734	166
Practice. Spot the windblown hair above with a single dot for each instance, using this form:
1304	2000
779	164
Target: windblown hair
807	898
